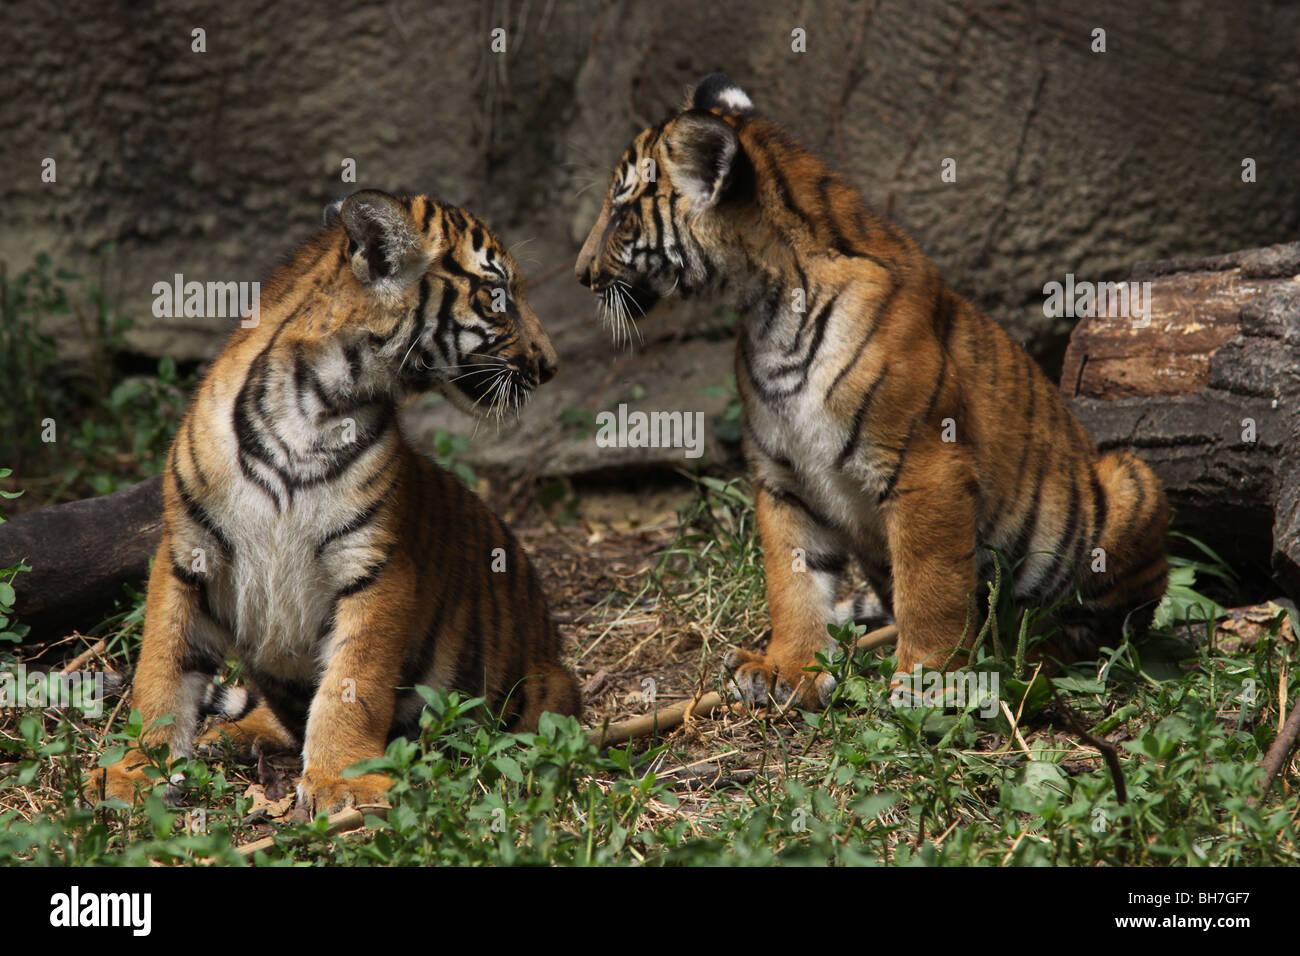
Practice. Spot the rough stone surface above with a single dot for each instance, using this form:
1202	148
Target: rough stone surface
213	165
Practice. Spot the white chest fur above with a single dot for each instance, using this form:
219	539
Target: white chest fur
799	427
271	584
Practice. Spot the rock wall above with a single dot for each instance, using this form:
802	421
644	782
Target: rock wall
213	164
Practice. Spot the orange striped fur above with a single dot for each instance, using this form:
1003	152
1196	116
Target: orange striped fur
855	363
305	537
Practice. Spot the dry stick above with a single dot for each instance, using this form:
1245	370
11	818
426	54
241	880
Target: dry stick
1109	753
93	651
1279	751
669	717
340	822
658	722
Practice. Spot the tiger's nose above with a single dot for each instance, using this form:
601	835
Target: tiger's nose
542	363
584	273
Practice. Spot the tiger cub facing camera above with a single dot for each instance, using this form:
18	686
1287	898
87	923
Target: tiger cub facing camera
304	536
887	421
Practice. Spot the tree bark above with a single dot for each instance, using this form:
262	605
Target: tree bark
82	554
1208	394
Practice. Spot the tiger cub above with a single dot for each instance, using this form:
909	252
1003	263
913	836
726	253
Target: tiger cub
304	536
887	421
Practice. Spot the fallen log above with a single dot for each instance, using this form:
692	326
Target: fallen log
1206	389
82	554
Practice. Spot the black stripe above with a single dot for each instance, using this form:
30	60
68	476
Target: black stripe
442	326
917	422
190	579
772	456
450	263
670	226
199	516
1098	504
470	668
200	660
1026	440
1068	542
827	563
1126	533
943	315
415	669
306	380
866	338
659	226
369	577
791	500
772	297
359	520
1029	521
859	418
805	323
819	324
289	700
344	459
257	480
353	353
785	196
771	395
193	455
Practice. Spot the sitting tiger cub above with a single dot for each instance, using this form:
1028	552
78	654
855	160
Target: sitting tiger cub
303	534
887	420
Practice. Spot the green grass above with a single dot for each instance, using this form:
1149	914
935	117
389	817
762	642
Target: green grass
863	782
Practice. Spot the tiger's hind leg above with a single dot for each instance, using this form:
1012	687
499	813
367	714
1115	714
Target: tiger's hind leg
550	687
1123	581
177	662
930	521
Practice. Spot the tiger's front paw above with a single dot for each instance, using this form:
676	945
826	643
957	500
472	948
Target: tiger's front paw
322	793
124	780
760	681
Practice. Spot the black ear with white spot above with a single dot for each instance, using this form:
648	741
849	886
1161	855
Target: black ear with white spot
701	154
386	247
717	92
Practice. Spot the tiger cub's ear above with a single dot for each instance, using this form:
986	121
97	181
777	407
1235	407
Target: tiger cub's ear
331	212
700	156
717	92
387	250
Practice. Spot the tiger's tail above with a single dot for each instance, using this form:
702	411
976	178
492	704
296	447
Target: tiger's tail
1127	573
227	703
245	721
